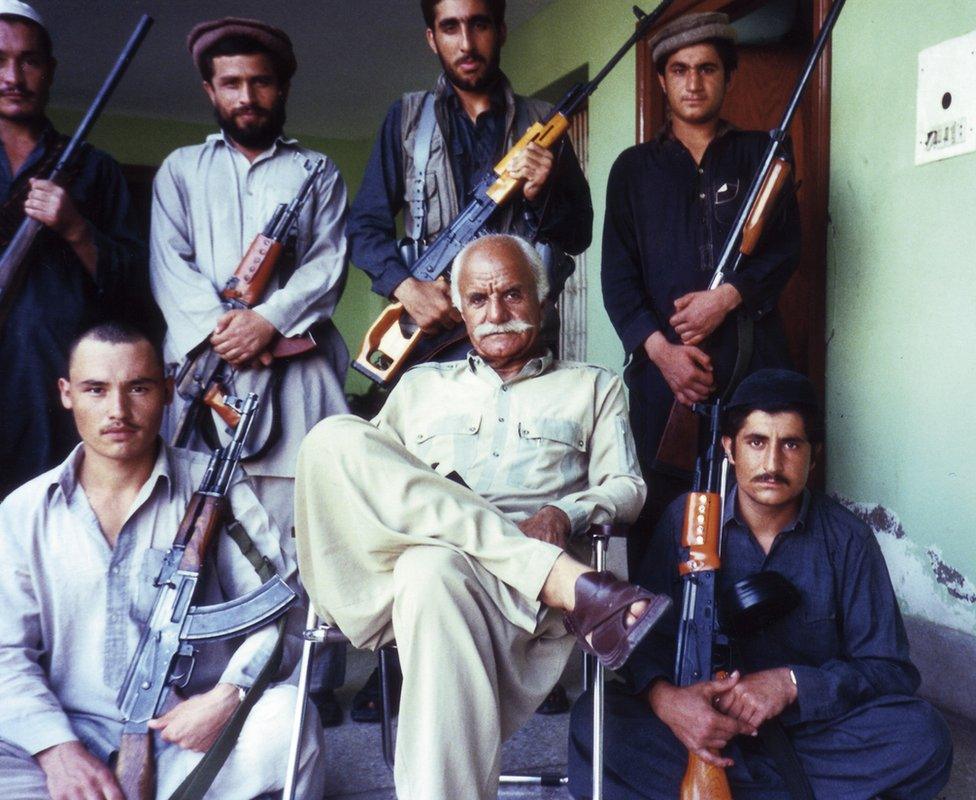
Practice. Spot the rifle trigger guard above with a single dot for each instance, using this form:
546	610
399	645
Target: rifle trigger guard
183	663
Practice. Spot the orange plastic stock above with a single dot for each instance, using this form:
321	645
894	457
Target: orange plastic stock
700	534
385	348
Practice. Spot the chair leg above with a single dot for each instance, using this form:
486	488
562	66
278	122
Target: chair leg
600	564
301	705
386	707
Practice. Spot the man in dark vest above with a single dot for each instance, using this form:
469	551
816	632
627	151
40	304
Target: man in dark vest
671	203
86	262
472	118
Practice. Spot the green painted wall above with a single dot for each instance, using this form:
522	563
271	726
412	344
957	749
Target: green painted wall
563	37
901	323
140	140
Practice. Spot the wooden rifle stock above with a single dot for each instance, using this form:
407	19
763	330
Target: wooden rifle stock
135	767
679	443
250	279
704	781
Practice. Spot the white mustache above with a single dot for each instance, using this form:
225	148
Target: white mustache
512	326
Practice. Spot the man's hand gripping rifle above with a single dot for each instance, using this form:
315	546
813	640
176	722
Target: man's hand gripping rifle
697	630
394	341
165	656
203	375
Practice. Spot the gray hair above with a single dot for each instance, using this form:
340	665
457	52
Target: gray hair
532	259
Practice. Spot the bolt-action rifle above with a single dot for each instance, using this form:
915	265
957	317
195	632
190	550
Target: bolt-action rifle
14	257
678	445
394	340
697	631
202	377
165	656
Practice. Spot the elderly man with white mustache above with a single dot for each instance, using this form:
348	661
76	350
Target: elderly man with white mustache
444	523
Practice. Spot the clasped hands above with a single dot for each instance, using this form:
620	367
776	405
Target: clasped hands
243	338
706	716
686	368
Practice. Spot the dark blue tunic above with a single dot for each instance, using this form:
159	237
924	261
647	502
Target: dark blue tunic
57	300
856	726
666	223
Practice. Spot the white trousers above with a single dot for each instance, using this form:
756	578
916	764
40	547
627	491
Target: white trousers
388	549
255	766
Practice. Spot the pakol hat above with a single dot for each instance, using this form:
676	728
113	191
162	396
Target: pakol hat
17	9
688	30
209	33
768	387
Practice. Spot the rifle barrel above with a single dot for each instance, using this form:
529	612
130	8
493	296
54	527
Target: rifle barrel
95	109
777	137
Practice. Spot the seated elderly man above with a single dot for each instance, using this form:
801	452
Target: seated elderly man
81	547
474	583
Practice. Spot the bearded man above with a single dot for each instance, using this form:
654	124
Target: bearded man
209	202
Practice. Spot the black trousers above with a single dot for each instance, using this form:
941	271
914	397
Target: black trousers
895	747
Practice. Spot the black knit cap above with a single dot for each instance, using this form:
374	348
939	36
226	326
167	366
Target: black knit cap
769	387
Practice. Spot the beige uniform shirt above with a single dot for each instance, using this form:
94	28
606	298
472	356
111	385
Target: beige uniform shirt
557	434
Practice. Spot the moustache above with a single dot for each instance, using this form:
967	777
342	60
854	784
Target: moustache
775	477
512	326
240	112
118	428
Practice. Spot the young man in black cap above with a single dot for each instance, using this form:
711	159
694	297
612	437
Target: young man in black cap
834	671
670	205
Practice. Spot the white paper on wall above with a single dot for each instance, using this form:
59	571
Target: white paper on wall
946	104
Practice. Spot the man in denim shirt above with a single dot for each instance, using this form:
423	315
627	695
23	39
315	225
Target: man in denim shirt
834	671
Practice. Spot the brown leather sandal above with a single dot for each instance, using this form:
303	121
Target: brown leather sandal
602	604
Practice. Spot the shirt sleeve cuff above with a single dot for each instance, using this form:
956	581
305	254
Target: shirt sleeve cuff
388	280
750	294
636	332
272	315
813	696
579	517
40	731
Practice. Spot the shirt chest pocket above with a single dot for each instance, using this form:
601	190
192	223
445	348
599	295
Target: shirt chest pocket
451	440
552	450
726	197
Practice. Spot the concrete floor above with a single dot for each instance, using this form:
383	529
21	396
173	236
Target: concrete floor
357	769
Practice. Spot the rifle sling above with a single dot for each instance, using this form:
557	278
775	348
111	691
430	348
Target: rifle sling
196	784
746	329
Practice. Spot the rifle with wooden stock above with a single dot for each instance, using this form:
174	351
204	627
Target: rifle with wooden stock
677	448
165	656
202	376
701	539
394	339
14	257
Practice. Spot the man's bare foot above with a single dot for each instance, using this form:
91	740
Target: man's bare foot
559	590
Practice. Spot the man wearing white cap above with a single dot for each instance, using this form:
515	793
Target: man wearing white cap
671	203
85	264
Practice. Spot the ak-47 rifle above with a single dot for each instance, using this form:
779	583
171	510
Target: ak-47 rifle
697	630
677	448
203	374
14	257
165	656
394	338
